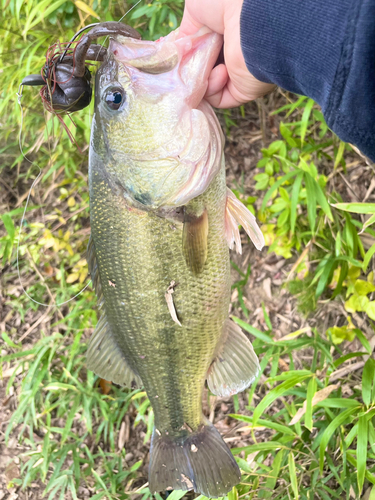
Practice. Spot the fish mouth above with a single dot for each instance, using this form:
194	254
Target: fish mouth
193	56
172	72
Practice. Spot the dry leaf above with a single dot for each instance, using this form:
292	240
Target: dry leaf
10	371
345	370
283	365
121	436
105	386
72	278
267	287
86	8
170	304
318	397
12	471
295	334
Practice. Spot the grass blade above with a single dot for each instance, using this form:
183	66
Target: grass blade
340	152
86	8
305	119
368	380
264	337
322	200
361	451
232	495
369	222
265	423
290	107
356	208
267	492
311	390
338	403
311	201
275	186
267	446
177	494
276	393
324	277
293	475
363	340
336	422
42	12
294	201
366	261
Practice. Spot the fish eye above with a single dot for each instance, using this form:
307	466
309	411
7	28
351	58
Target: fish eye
114	97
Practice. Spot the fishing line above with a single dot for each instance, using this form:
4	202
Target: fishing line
131	8
19	97
74	37
106	38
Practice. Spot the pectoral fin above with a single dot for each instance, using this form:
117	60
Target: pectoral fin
235	366
237	214
194	241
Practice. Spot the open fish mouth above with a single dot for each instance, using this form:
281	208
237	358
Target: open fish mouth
162	220
193	56
170	144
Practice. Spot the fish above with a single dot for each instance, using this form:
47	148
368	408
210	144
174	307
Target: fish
162	223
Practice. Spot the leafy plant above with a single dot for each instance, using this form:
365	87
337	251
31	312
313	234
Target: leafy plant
298	209
309	425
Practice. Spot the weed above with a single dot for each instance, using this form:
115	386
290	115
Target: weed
310	413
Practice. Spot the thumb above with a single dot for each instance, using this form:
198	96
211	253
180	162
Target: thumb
189	25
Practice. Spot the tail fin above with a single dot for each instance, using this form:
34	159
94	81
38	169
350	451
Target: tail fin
199	460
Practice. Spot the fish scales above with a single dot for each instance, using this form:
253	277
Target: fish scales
162	220
141	253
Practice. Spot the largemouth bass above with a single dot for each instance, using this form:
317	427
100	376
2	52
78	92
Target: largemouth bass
162	220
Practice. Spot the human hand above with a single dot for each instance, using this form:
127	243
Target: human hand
230	84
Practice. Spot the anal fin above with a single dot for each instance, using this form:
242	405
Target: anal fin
194	241
106	360
104	357
237	214
235	366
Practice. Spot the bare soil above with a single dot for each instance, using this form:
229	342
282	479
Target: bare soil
264	290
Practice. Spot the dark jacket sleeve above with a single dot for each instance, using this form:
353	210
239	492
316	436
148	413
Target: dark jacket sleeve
324	49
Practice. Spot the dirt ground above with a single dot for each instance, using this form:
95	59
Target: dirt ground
264	288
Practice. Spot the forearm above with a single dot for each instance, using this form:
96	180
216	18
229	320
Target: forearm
322	49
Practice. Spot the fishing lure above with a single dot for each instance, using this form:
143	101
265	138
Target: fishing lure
65	79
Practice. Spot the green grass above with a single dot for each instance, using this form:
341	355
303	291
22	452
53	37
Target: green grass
311	434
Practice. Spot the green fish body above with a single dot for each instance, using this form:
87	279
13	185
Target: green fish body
159	256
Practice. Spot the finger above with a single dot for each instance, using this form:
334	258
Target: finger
189	25
217	80
224	99
228	97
